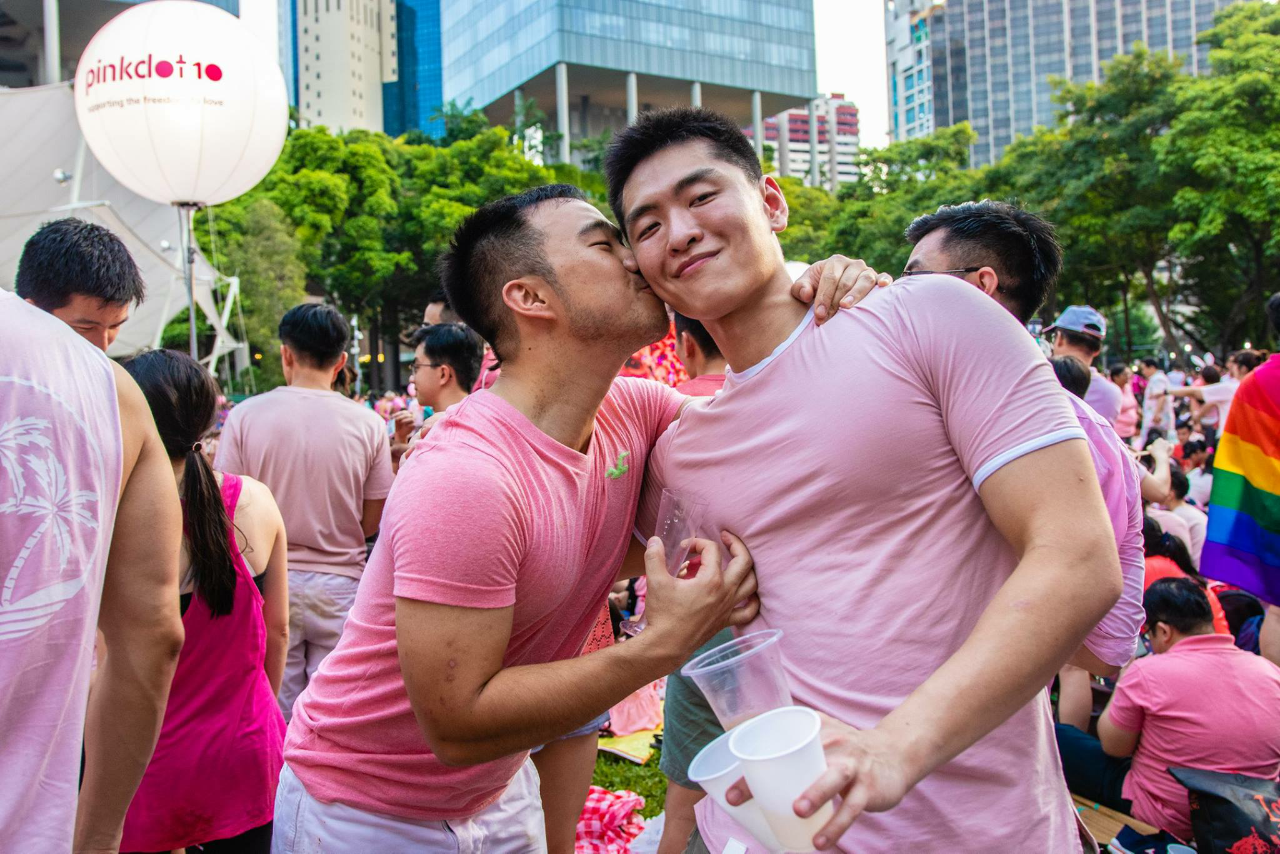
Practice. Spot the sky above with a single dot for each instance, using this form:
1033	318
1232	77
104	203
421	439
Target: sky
850	44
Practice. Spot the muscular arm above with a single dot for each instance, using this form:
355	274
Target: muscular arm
275	601
1116	741
471	709
139	619
371	516
1085	658
1188	391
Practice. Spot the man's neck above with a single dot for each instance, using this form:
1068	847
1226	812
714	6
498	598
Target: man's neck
750	333
1086	358
448	397
560	393
312	378
715	367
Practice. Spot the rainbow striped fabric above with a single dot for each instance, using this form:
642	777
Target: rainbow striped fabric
1242	546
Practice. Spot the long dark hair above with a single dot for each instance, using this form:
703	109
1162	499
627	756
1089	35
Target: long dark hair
1158	543
184	397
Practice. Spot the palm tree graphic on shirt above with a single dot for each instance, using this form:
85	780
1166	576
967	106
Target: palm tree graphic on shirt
55	509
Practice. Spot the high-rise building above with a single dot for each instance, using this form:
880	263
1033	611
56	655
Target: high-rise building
410	101
345	53
788	133
591	66
989	62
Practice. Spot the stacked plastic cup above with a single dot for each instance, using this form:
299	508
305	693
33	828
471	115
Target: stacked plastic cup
715	769
742	678
781	756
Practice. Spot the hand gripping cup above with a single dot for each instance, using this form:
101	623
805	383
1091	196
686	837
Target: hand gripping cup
742	678
679	517
781	756
715	769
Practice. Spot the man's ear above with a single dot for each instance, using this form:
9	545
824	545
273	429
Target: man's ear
448	375
988	281
531	297
775	204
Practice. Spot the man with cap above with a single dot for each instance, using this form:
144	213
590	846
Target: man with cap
1078	332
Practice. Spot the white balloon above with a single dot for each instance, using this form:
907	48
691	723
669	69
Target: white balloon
181	102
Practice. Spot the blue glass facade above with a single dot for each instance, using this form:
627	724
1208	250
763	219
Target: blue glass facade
417	95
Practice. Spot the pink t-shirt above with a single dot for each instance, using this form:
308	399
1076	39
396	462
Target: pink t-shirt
1171	523
60	469
930	386
1115	638
490	512
1203	704
1104	396
321	455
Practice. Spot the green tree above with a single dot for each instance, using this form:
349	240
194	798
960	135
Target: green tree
593	150
1222	153
811	211
460	122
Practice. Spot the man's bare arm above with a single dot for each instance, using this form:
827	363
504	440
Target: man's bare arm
1068	576
371	516
473	710
143	629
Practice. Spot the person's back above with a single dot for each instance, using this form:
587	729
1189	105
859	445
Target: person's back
65	454
327	461
213	775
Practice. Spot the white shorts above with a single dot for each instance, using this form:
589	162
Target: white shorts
511	825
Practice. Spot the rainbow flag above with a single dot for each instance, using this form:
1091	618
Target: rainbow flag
1242	545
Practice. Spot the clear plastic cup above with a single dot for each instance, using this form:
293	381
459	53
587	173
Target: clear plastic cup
1180	849
781	756
742	678
715	769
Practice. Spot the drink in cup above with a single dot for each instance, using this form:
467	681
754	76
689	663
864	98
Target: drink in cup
715	769
781	756
742	678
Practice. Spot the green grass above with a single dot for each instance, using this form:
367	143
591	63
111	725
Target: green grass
645	780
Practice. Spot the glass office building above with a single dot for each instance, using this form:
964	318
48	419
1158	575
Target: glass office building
410	101
989	62
591	64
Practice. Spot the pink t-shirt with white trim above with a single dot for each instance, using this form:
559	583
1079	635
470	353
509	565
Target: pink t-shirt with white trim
849	462
488	512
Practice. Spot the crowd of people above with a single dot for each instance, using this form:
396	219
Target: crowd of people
391	624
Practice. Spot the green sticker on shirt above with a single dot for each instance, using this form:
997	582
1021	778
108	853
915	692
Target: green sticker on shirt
621	468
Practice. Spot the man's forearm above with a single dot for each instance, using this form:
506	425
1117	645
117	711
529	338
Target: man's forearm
523	707
121	728
1031	628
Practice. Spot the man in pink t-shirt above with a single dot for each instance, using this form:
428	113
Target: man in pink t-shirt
327	460
701	357
1200	702
969	551
503	534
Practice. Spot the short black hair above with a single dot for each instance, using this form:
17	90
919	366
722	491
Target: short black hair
1180	603
699	333
1178	483
316	332
1210	374
490	248
455	345
1117	369
1072	374
70	256
658	129
1021	246
1273	313
1088	343
1151	363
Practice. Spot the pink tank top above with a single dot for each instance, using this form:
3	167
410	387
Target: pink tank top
214	772
60	465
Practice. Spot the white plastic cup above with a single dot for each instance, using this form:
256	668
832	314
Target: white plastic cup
715	769
781	756
742	678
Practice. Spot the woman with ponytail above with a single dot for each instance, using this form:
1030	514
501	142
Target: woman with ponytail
1167	557
212	780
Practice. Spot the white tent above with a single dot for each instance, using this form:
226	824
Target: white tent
47	172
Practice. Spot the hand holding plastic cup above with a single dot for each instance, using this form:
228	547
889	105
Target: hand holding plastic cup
742	678
715	769
679	517
781	756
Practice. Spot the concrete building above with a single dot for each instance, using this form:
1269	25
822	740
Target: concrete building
789	134
24	43
346	52
989	62
591	66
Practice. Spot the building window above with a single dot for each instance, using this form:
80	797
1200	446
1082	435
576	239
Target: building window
911	115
